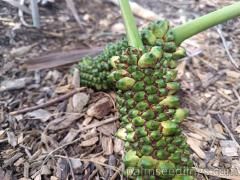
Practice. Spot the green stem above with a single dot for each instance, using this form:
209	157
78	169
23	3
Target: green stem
200	24
134	39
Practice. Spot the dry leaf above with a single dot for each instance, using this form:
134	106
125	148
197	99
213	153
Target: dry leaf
12	139
195	146
89	142
118	28
238	129
21	50
53	178
79	100
219	128
15	84
118	146
87	120
76	78
101	108
70	136
63	168
63	89
90	134
229	148
63	122
232	74
76	164
45	170
41	114
108	129
107	145
2	134
54	75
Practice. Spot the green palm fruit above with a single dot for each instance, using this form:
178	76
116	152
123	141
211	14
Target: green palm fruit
151	114
149	108
181	114
125	83
94	72
147	162
147	60
121	134
169	128
166	169
131	159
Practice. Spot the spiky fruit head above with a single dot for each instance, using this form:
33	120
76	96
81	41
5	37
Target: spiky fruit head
125	83
131	159
147	105
169	128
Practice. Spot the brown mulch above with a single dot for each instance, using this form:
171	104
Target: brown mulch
67	131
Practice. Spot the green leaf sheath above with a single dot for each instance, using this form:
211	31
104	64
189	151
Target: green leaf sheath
95	71
133	37
149	108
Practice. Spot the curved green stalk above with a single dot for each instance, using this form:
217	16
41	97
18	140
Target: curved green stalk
200	24
134	39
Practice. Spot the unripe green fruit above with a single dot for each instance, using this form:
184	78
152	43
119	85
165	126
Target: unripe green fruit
166	169
169	128
148	37
170	101
125	83
147	162
131	159
149	109
147	60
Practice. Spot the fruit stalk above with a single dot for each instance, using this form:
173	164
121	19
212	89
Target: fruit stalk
202	23
130	25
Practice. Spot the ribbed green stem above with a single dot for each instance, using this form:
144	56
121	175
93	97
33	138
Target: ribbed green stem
200	24
134	39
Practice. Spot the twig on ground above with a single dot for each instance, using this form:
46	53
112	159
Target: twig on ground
10	161
219	30
94	161
20	14
18	5
71	6
78	139
228	130
228	103
233	120
49	103
97	124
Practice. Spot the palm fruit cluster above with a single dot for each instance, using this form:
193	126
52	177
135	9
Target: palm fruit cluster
149	108
95	71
